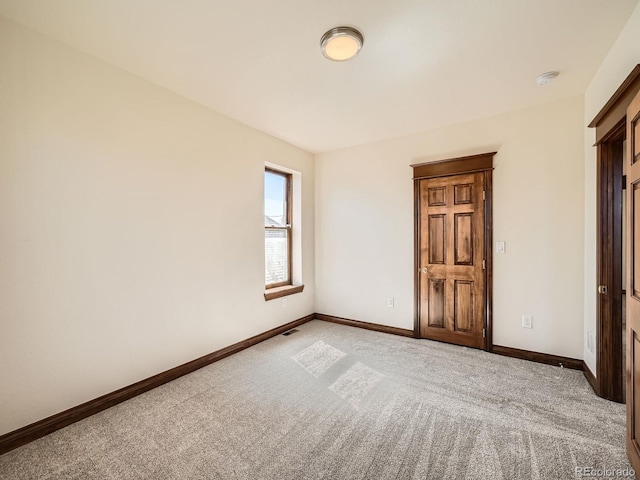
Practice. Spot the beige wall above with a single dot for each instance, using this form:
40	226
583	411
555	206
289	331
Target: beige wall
364	224
621	59
131	224
130	229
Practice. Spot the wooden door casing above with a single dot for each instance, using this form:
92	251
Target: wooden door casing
452	285
610	132
609	267
633	282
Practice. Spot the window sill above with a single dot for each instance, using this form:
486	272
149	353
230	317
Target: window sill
278	292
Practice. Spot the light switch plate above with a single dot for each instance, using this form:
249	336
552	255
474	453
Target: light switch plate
501	247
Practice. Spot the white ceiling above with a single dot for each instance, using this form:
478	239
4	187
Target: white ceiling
424	64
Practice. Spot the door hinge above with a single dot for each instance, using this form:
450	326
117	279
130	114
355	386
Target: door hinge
484	265
484	333
483	195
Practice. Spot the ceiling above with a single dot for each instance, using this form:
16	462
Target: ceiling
425	63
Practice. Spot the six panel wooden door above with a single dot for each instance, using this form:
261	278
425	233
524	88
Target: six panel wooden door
451	256
633	283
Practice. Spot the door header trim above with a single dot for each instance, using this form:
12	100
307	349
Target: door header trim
454	166
615	109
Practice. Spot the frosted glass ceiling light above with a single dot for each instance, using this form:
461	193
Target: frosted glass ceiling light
341	43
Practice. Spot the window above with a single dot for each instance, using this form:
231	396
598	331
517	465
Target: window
282	232
277	228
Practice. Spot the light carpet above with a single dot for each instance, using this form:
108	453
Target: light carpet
337	402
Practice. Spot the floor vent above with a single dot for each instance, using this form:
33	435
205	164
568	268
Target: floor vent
286	334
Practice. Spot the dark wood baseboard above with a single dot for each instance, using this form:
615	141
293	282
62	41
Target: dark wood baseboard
555	360
366	325
60	420
546	358
27	434
590	378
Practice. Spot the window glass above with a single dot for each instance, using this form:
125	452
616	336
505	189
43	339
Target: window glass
276	249
277	228
275	199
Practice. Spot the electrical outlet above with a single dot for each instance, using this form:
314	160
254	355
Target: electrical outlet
390	302
527	321
285	302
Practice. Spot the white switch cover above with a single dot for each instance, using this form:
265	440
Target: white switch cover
527	321
390	302
501	247
285	302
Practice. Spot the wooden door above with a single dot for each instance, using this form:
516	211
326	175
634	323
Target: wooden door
451	259
633	282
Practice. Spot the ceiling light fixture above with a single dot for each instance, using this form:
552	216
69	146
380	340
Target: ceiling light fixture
341	43
546	78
